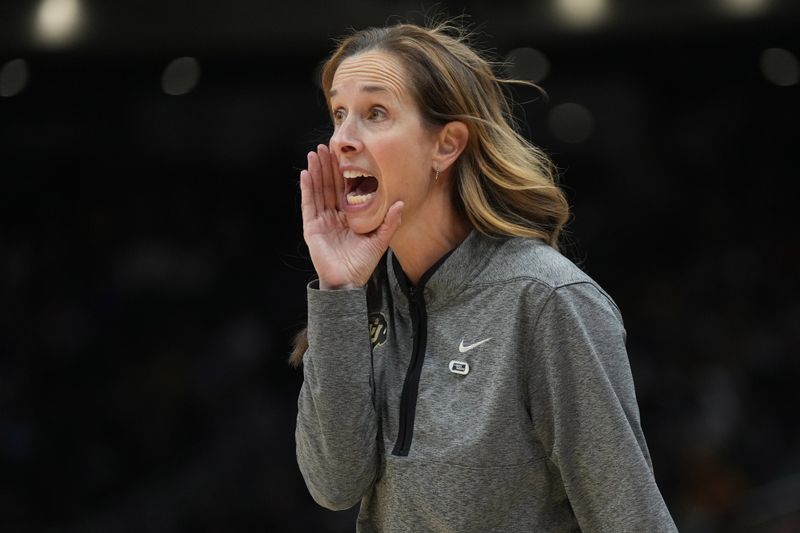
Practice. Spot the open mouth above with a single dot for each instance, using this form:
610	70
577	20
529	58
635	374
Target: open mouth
359	187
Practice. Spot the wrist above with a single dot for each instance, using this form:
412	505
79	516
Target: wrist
325	286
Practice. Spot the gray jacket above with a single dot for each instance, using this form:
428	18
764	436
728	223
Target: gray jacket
494	396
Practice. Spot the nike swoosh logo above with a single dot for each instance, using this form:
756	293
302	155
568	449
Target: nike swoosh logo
462	348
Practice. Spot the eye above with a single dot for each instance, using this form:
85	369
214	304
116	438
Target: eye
377	113
338	115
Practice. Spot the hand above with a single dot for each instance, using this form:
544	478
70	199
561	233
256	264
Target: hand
342	258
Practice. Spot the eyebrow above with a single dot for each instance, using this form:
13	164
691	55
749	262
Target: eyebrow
367	89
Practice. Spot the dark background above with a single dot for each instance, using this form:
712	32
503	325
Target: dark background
152	268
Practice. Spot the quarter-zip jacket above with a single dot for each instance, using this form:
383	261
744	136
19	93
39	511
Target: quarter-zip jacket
496	396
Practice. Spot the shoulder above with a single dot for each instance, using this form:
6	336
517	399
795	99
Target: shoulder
524	258
532	262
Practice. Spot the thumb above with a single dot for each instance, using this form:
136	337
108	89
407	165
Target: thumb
390	223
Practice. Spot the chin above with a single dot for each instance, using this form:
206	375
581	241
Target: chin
362	225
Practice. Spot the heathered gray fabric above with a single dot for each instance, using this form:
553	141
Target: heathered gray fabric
542	434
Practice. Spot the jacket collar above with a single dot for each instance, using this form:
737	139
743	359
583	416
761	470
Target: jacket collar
450	275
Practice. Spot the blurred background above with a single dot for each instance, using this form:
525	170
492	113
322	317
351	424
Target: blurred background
152	268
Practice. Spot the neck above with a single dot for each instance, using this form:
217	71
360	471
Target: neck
428	236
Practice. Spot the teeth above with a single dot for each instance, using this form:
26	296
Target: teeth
348	174
356	199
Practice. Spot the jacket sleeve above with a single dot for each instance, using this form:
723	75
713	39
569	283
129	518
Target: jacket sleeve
584	408
336	420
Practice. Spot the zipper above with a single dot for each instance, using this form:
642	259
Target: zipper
419	329
408	398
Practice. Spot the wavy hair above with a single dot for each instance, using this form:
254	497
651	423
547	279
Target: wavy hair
503	184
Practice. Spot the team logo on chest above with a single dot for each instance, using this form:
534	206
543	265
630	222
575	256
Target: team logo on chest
378	329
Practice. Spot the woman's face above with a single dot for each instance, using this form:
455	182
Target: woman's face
378	133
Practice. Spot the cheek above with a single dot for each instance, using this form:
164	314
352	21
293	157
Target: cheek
410	156
404	164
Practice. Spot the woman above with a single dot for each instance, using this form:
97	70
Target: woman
460	374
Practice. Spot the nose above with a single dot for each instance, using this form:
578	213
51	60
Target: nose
346	138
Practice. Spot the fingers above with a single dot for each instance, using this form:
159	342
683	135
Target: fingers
307	205
328	186
338	181
326	183
315	171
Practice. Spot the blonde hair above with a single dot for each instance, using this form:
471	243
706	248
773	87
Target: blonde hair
504	185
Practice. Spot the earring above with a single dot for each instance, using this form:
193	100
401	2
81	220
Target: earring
436	177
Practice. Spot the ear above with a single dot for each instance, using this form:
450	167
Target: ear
452	140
